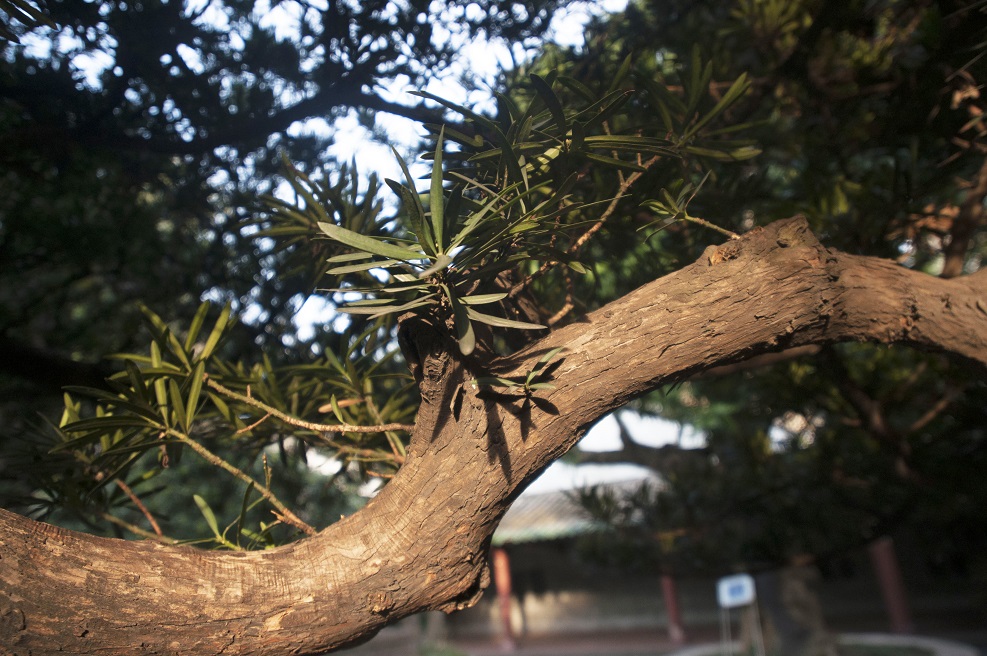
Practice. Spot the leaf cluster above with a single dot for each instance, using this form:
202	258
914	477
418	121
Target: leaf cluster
183	396
509	198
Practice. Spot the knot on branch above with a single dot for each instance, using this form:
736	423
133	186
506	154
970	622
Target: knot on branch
381	603
471	595
787	233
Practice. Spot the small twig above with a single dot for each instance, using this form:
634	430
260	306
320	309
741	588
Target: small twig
210	457
612	207
379	475
301	423
607	213
569	303
712	226
137	502
357	454
567	307
396	448
558	316
136	530
247	429
935	410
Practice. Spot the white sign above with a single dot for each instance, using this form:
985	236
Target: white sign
734	591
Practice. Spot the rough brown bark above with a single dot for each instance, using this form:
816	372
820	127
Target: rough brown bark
423	541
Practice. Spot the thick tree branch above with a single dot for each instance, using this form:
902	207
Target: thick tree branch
422	543
660	459
244	132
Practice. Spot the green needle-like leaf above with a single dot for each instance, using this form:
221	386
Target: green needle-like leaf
612	161
500	322
416	213
177	404
736	90
196	325
441	262
464	329
348	257
369	244
548	356
244	506
336	410
217	332
195	390
362	266
208	514
482	299
551	101
435	197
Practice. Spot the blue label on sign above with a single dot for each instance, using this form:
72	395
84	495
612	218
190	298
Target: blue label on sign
734	591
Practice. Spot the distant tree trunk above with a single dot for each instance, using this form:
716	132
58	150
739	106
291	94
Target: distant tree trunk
424	541
502	583
885	563
669	593
792	609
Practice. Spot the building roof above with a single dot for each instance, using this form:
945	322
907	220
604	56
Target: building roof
552	516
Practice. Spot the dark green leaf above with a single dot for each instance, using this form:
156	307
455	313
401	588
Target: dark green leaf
217	332
441	262
736	90
195	389
105	424
412	204
578	87
464	329
196	325
363	266
177	404
482	299
611	161
501	322
369	244
436	198
207	513
544	91
622	72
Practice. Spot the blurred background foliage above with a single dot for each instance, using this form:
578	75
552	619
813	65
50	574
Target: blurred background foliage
144	187
138	139
870	119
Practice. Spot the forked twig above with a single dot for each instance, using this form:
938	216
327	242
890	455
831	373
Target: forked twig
301	423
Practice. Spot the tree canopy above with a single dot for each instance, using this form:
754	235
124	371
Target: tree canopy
139	137
871	125
538	279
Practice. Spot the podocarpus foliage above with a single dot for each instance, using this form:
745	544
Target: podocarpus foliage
479	254
498	392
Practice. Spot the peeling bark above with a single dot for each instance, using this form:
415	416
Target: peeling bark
423	542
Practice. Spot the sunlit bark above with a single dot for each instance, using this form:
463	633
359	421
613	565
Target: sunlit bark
423	543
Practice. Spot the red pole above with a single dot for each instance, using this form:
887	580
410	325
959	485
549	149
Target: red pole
885	563
502	581
676	632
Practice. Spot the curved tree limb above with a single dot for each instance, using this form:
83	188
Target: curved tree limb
422	543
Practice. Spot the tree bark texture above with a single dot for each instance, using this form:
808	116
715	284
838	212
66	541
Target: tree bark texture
423	542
